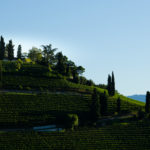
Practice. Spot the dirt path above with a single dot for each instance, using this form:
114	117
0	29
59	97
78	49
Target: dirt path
103	122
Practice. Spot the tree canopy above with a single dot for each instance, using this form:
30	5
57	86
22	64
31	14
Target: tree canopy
2	48
35	54
19	52
10	50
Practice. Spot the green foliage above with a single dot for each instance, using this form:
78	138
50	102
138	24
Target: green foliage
89	83
111	85
71	121
95	106
27	60
61	66
19	62
2	48
48	54
118	104
10	50
52	82
8	66
29	109
141	114
19	52
49	68
103	86
127	105
103	103
68	71
83	80
117	137
35	54
80	70
147	105
20	87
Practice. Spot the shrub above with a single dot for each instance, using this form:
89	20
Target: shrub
20	61
18	66
28	60
71	121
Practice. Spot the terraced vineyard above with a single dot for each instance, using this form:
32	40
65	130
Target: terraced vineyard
35	108
26	82
122	137
42	99
29	109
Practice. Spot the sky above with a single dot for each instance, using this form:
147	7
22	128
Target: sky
101	35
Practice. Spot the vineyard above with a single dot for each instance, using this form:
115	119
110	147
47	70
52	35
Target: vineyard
33	96
29	109
122	136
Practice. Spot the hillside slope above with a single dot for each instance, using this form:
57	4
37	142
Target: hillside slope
138	97
43	96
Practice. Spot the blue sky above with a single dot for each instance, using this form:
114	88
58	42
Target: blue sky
100	35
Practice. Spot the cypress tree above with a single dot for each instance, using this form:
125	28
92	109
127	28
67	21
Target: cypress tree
147	105
103	104
95	107
113	85
10	49
118	104
2	48
0	73
109	85
19	52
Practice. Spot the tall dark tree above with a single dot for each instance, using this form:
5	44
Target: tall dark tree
95	107
61	66
2	48
113	84
109	85
147	105
0	73
118	105
10	49
19	52
103	104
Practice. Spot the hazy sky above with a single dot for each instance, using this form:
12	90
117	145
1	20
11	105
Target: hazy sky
100	35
